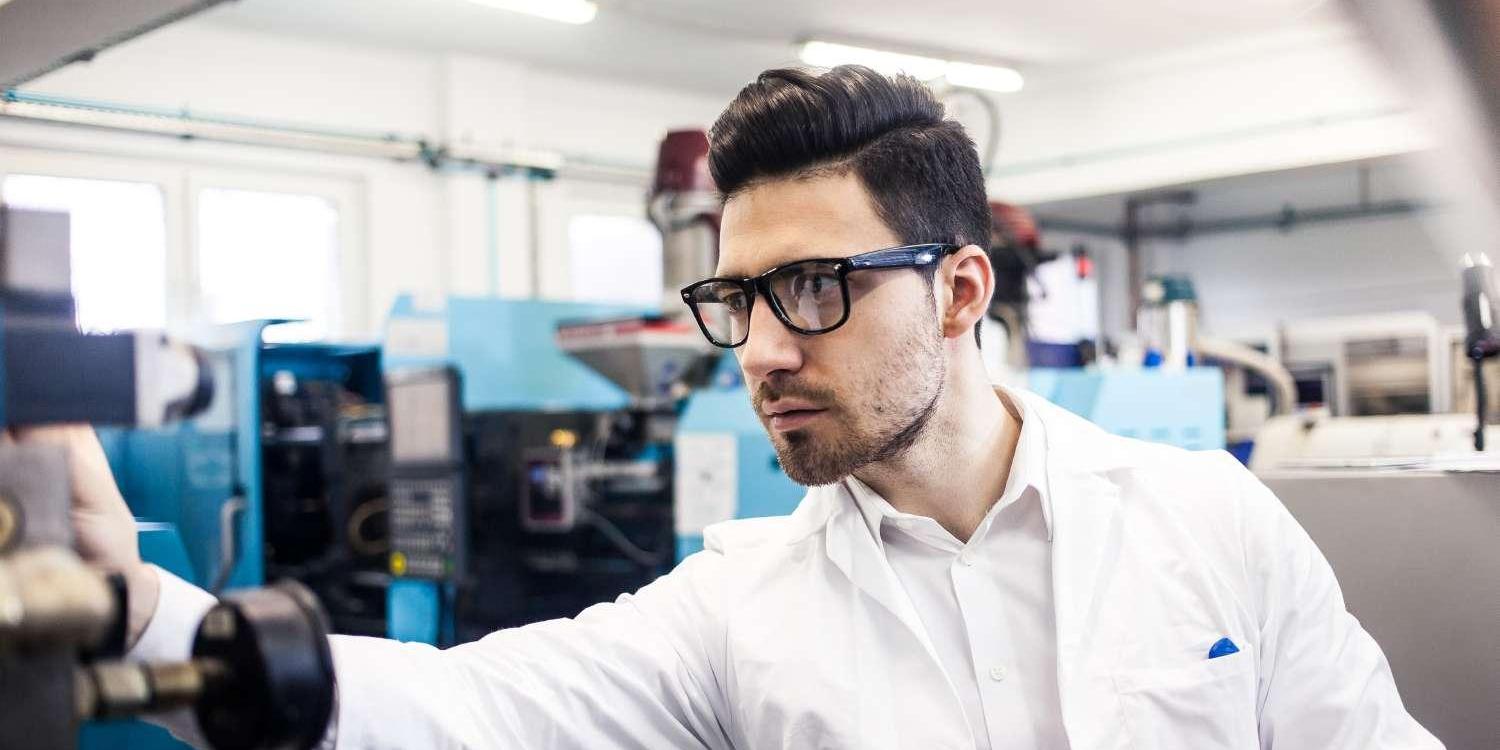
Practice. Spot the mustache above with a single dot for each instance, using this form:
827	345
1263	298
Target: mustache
823	397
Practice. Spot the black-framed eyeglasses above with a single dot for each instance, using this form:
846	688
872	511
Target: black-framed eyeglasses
807	296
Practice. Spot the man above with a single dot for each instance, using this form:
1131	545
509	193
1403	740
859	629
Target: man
970	568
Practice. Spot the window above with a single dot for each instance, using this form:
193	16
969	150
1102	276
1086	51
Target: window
615	259
119	245
269	255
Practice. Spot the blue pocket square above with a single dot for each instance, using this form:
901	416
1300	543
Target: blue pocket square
1224	647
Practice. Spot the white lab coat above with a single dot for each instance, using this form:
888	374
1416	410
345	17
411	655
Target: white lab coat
793	633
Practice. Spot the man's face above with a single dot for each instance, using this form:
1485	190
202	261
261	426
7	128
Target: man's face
863	393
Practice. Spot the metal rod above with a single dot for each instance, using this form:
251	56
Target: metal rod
492	231
1130	235
189	125
1090	228
1282	220
534	230
1480	403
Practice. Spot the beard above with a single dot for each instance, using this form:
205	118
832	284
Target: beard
904	392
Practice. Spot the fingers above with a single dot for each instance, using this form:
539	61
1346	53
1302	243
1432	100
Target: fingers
88	468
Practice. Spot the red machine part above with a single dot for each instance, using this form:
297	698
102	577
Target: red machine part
1014	226
682	163
1083	263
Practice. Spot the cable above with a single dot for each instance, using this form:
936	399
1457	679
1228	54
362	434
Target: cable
992	114
618	538
228	548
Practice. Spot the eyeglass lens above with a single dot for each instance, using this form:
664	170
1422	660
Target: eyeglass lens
809	294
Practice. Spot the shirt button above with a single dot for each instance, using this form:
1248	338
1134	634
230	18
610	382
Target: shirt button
966	558
998	674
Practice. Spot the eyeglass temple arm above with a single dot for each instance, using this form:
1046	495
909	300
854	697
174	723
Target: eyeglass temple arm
900	257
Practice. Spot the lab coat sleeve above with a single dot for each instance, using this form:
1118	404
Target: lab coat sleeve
635	673
1325	684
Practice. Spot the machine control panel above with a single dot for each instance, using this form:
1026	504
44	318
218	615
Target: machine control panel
426	526
429	508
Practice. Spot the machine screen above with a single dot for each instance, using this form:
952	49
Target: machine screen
421	415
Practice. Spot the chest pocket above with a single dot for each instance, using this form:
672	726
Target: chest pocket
1191	704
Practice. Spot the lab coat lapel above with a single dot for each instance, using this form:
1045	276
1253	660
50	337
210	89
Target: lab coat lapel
1085	544
1084	504
854	552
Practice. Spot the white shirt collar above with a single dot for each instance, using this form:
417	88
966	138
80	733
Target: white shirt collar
1027	471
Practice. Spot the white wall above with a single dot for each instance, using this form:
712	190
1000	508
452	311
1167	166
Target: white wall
422	232
1253	279
1258	105
1249	282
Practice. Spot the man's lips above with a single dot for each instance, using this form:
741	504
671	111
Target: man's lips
785	405
793	418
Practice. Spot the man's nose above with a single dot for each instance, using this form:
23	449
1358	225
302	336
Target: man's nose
771	347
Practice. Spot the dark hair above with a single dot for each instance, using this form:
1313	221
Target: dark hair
921	170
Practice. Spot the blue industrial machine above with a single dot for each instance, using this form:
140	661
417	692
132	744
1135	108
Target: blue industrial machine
283	476
192	481
539	479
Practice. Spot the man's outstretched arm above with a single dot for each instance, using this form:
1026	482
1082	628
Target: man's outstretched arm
632	673
638	672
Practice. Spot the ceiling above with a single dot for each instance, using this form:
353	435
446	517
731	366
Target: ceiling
714	46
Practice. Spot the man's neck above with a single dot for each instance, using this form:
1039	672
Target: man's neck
957	471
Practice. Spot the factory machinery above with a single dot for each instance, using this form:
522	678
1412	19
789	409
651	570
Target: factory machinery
260	674
549	455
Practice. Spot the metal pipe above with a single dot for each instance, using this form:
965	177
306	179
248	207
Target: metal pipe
185	124
1283	385
534	237
1130	236
1284	220
492	232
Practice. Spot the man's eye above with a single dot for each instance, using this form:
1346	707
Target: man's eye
735	302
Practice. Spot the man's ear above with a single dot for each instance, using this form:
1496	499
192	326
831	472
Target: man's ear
969	281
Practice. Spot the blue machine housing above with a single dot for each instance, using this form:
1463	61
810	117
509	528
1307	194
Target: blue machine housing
177	478
1185	409
506	351
722	420
180	476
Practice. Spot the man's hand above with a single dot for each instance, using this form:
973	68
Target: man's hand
104	530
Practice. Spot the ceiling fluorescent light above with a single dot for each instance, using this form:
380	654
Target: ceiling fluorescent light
987	77
967	75
567	11
828	55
